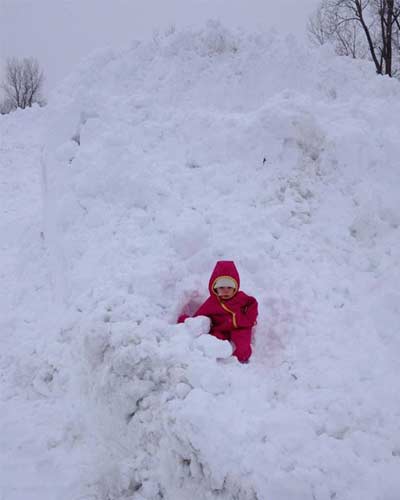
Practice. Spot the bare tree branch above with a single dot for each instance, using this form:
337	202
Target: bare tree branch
360	28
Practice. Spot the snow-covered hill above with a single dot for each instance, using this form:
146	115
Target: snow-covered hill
148	165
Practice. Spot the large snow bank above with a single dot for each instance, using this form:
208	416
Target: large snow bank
160	160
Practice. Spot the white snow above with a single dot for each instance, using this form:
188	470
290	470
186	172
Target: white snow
117	200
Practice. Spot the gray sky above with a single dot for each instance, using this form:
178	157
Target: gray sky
60	32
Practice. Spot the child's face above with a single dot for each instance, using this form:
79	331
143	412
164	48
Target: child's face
225	292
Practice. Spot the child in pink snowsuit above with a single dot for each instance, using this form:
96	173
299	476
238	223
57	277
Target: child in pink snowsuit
232	312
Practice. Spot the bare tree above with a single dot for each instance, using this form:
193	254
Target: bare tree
22	84
318	26
327	25
389	13
360	28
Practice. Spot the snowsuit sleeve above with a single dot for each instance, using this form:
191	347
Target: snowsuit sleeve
182	318
247	316
203	310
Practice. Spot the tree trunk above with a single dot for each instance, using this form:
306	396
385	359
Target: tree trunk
360	16
389	37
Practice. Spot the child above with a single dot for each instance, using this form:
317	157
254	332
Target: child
232	312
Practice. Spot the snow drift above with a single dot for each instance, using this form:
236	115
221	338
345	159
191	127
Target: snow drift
148	165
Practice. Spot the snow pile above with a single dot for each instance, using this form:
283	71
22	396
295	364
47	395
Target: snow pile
160	160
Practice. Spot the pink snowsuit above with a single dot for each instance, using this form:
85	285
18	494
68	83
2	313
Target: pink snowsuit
231	319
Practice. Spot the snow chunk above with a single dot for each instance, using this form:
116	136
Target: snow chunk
212	347
198	326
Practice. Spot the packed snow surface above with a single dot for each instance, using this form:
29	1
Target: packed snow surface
147	166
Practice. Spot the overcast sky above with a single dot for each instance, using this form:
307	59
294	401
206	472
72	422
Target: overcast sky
60	32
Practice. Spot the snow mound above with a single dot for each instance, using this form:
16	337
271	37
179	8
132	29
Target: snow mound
156	161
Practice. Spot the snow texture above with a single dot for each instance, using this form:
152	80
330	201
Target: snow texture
148	165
